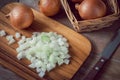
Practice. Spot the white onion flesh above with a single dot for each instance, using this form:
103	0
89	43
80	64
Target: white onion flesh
2	33
45	50
10	39
17	35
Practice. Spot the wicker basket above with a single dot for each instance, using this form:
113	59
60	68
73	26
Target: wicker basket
113	13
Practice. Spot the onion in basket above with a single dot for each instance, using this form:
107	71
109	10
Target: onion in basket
44	50
91	9
49	7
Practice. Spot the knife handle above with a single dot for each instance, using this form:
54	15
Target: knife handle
93	72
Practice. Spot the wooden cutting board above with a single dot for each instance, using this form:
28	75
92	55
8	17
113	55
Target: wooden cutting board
79	49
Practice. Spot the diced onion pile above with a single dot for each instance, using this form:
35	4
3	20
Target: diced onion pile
45	50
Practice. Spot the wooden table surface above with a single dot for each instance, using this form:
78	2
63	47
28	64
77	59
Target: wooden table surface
99	39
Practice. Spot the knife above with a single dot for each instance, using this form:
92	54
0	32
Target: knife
106	55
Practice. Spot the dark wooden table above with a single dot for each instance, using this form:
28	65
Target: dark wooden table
99	39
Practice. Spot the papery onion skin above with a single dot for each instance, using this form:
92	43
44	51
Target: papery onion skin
91	9
49	7
21	16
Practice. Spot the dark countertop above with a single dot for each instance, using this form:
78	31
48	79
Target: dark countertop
99	40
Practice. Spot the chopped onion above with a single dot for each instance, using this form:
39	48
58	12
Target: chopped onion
2	33
45	50
10	39
17	35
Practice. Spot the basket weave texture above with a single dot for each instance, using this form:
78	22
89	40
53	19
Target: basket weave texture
113	14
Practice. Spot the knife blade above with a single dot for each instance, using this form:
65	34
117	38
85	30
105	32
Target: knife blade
106	55
4	2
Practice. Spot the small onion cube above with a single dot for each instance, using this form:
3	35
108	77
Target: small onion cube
11	41
32	65
41	74
38	69
17	35
2	33
23	37
20	55
66	61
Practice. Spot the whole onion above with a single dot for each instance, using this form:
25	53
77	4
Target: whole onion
91	9
21	16
49	7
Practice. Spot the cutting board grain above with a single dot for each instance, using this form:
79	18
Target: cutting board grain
79	49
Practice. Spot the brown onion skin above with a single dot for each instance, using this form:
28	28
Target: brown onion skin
49	7
21	16
91	9
77	1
